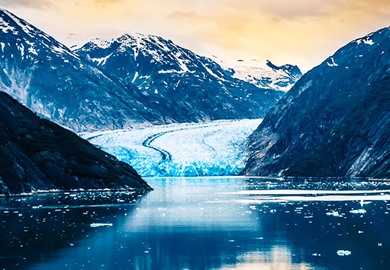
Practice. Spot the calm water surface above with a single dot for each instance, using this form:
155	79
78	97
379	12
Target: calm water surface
203	223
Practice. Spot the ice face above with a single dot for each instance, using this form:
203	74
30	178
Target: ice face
215	148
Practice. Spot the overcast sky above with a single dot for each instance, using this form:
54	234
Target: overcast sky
302	32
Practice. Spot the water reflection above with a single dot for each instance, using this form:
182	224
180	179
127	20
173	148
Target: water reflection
35	229
208	223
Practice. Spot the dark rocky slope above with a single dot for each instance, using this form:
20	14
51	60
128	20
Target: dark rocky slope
335	121
36	154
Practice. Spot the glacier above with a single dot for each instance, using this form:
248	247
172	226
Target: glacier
215	148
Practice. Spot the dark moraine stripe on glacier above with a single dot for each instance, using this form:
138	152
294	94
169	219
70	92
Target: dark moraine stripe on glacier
166	156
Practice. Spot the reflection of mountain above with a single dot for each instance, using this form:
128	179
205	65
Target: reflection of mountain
204	223
210	223
35	230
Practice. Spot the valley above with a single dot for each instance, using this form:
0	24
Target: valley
136	152
205	149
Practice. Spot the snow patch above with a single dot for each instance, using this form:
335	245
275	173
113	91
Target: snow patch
332	63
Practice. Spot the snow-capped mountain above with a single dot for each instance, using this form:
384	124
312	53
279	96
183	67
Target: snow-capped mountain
53	81
335	121
181	85
265	74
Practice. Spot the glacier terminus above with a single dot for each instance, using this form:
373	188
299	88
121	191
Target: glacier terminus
185	149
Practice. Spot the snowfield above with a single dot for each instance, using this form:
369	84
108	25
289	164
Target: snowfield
209	149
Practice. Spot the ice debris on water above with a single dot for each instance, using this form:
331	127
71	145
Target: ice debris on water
358	211
334	213
344	252
95	225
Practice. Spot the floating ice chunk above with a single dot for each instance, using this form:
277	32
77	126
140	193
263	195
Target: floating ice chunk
334	213
362	203
358	211
95	225
344	252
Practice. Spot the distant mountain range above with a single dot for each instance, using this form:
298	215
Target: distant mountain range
335	121
38	155
181	85
265	74
122	82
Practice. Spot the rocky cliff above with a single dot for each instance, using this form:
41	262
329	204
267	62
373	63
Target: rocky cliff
36	154
335	121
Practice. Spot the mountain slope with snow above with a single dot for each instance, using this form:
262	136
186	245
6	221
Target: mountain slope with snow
210	149
335	121
183	86
265	74
53	81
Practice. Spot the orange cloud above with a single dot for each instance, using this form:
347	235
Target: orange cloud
297	31
38	4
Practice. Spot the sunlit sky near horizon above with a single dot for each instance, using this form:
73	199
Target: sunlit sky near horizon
302	32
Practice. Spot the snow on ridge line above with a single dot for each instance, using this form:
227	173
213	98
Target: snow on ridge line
136	37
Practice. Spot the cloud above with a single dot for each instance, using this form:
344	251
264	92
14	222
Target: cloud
36	4
297	31
107	2
185	15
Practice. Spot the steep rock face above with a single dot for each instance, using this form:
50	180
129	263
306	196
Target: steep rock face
53	81
36	154
266	74
335	121
181	85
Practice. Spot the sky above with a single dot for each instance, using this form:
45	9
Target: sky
301	32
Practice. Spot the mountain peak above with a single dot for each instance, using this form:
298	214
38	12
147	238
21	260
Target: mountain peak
11	23
266	74
26	38
180	81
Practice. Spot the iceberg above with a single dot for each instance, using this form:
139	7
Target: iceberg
95	225
344	252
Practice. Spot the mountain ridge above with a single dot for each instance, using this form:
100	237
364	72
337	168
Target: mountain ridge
301	135
165	72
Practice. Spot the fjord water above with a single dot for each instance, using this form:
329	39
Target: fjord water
203	223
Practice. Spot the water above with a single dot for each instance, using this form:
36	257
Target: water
203	223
